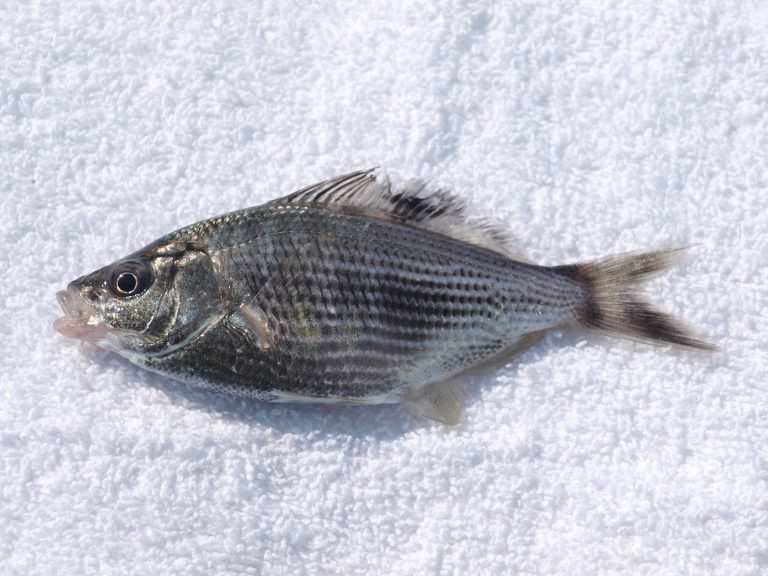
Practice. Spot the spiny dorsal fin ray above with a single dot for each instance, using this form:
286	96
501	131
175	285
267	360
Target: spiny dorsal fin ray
413	203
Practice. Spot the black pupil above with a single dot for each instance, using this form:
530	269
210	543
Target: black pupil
127	282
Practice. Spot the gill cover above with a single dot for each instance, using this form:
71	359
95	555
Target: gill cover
189	302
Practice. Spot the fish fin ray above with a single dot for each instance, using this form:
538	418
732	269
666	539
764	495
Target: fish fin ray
613	304
250	317
441	401
371	193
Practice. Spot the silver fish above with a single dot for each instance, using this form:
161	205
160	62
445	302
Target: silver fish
351	290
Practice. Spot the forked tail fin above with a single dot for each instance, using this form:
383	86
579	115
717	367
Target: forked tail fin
614	305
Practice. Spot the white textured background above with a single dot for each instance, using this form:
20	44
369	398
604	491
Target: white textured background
588	128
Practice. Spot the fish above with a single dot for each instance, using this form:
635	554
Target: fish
357	291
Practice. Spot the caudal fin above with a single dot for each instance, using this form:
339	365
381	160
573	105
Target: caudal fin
613	303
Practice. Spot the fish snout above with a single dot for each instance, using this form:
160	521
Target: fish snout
81	319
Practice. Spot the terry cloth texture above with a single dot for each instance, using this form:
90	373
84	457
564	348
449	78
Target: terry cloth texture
587	128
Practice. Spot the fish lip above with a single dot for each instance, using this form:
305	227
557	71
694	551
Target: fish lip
80	320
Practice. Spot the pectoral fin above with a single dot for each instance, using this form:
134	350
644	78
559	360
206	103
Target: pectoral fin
251	319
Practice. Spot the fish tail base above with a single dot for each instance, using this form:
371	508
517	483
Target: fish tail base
613	304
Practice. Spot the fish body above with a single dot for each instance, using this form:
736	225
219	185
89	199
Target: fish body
350	291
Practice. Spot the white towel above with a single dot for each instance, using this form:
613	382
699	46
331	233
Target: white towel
587	128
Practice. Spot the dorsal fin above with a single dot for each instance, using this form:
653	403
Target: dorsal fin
412	203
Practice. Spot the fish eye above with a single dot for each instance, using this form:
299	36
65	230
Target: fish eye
130	278
127	283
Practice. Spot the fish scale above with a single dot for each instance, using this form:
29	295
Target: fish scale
401	275
351	290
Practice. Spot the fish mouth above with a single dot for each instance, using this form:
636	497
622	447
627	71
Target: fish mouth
80	320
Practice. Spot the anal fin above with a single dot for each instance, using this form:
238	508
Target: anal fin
442	400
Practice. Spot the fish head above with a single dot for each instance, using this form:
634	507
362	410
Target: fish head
148	302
